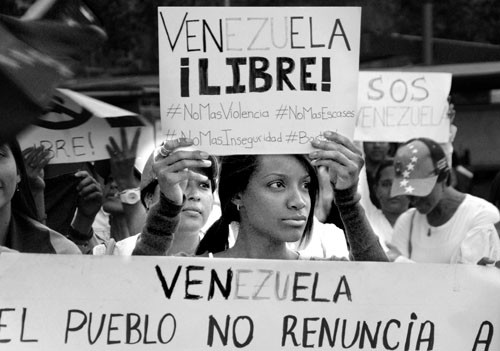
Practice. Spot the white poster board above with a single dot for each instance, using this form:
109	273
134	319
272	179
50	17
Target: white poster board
79	129
398	106
57	302
258	80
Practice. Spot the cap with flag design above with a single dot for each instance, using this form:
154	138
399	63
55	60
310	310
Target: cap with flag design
418	165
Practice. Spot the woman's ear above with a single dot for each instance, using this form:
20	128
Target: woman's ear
236	200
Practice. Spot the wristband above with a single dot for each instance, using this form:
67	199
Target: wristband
130	196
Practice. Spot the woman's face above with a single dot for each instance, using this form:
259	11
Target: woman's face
397	204
376	151
111	203
9	176
198	205
276	201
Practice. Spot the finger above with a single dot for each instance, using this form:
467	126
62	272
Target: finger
89	189
163	167
37	155
182	176
325	149
92	196
86	179
347	165
485	261
82	174
135	141
178	155
27	151
339	139
45	161
114	146
343	157
123	135
168	146
111	152
31	158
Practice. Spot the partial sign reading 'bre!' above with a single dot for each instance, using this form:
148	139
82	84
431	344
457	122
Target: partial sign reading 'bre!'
198	304
251	80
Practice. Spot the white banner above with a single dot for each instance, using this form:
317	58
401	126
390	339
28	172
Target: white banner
79	127
258	80
398	106
57	302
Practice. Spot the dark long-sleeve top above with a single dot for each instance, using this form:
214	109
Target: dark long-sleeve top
163	219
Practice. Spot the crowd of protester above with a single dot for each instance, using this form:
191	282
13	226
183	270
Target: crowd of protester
377	202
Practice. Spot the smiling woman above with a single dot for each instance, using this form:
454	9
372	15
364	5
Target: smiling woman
19	229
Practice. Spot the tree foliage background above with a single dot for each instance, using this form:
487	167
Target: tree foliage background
132	24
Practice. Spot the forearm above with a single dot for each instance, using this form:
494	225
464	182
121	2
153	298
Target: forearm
39	198
135	216
363	243
158	232
83	223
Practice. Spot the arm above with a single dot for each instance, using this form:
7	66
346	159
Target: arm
480	242
35	159
158	233
399	247
172	168
88	204
344	162
364	244
122	160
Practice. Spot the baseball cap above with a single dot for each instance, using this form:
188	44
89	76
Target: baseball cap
418	164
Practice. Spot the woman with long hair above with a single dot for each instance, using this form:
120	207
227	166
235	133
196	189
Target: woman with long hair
19	228
272	197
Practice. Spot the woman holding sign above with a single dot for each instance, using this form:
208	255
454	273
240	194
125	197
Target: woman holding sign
272	197
19	229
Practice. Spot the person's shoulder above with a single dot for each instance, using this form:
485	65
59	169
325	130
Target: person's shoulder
480	205
407	215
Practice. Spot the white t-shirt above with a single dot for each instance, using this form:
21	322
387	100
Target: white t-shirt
326	240
468	235
379	223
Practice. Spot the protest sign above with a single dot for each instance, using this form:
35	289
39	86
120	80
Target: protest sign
258	80
398	106
78	128
197	304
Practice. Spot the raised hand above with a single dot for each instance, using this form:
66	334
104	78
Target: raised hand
175	163
340	156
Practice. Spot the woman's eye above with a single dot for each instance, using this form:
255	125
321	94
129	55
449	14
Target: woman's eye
277	185
205	186
386	183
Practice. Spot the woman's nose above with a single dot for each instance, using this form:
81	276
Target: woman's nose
297	199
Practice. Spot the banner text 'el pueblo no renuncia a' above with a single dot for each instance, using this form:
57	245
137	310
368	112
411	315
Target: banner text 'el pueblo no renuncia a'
60	302
257	80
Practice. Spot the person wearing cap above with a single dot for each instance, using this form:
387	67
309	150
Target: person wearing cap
444	225
198	203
